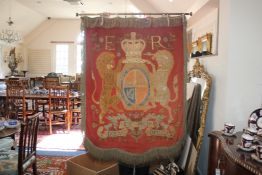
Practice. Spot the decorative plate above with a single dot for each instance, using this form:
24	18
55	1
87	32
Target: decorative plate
11	124
251	148
254	156
255	119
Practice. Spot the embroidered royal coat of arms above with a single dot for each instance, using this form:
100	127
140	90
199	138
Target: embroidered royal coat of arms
134	93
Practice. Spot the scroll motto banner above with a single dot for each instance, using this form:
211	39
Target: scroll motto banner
134	91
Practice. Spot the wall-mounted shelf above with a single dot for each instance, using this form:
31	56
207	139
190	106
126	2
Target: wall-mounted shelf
202	46
203	30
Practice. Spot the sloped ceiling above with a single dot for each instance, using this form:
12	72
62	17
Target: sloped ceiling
28	14
170	6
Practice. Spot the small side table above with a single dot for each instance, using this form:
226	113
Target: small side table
225	155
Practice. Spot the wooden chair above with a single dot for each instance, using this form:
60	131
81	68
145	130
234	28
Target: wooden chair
59	106
75	110
2	107
15	102
12	82
16	106
13	162
25	83
2	99
75	85
18	82
49	82
66	79
75	106
40	104
37	81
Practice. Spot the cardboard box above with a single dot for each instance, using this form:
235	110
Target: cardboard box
86	165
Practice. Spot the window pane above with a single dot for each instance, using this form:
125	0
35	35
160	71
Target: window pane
62	58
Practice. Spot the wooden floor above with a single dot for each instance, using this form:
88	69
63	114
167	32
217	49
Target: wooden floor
60	139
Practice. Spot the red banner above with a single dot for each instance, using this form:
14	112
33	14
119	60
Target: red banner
134	88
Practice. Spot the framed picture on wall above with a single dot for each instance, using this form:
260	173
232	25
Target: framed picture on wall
202	46
206	44
203	28
195	49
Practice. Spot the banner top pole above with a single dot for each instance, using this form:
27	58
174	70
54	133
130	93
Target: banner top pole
131	14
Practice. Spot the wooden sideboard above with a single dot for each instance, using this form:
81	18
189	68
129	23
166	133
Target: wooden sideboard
233	161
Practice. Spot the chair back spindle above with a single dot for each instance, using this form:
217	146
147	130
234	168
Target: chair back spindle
15	102
50	82
27	143
59	107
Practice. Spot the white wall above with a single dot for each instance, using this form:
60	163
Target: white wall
207	24
54	30
62	30
245	82
236	71
216	66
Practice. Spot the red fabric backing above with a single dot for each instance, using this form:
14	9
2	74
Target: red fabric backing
138	132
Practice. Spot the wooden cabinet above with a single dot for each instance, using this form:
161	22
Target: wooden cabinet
225	154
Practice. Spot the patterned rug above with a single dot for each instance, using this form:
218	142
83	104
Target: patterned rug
51	165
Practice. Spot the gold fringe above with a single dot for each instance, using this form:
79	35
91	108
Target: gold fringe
154	154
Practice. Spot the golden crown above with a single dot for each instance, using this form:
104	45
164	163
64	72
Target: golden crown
133	48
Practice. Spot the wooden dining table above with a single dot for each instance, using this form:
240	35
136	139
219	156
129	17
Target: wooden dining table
38	96
33	97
